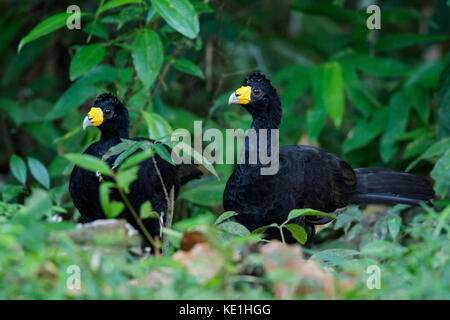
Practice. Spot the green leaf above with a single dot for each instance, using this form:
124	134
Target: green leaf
163	153
396	124
402	40
383	249
206	194
86	59
39	172
148	55
366	131
135	159
18	168
307	212
126	177
89	162
47	26
146	211
158	127
187	66
327	9
198	157
82	90
442	103
225	216
381	67
297	232
111	208
328	90
433	152
180	15
111	4
264	228
394	224
441	174
38	204
234	228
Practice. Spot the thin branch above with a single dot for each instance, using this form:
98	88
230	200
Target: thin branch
169	217
139	222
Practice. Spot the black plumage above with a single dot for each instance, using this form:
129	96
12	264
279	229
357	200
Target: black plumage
84	185
308	177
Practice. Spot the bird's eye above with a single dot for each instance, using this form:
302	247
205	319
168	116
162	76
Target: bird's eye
256	91
107	111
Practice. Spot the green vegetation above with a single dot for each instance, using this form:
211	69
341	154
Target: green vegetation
377	98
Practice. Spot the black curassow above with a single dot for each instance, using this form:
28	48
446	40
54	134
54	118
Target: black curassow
111	117
308	177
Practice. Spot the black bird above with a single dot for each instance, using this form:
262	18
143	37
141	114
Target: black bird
111	117
308	177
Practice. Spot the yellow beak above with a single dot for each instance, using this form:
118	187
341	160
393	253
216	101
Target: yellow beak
94	118
241	95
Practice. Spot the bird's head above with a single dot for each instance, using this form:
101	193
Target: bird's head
108	114
260	98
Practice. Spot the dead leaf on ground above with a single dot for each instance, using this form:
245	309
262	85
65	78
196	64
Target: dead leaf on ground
202	261
190	239
307	276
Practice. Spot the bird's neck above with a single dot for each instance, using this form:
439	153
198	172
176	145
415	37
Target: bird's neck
259	141
110	135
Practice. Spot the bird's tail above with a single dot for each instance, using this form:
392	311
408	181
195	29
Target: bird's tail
391	187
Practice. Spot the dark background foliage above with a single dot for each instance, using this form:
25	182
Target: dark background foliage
377	98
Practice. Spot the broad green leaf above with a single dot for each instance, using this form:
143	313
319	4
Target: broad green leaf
402	40
158	127
328	90
86	59
180	15
297	232
308	212
206	195
126	177
366	131
146	211
264	228
441	174
135	159
327	9
396	124
187	66
394	224
97	29
39	172
148	55
383	249
116	3
419	145
433	152
163	153
89	162
82	90
233	228
18	168
47	26
443	104
111	208
225	216
354	231
381	67
38	204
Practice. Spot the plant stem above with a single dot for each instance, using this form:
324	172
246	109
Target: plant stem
139	221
